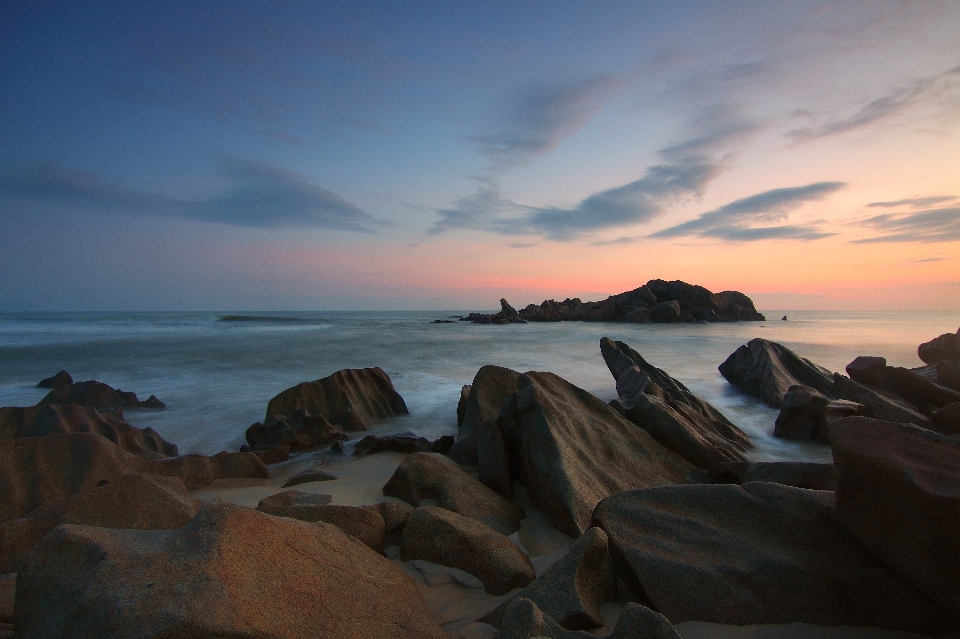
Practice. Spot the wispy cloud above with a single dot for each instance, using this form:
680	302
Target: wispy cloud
738	220
521	245
934	225
261	196
925	260
941	88
915	202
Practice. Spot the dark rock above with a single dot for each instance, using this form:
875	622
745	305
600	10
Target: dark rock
307	477
506	309
877	403
350	398
572	590
493	463
946	420
394	514
444	537
492	386
442	444
462	404
405	442
60	379
639	315
571	450
947	346
273	455
806	414
432	476
443	322
299	431
522	619
736	307
94	394
767	370
866	369
898	492
134	501
231	572
789	473
760	553
49	419
665	312
152	403
784	318
292	503
926	395
674	416
948	373
365	524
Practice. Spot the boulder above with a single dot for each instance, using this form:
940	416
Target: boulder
639	315
308	476
948	373
898	492
807	414
433	476
134	501
810	475
350	398
759	553
47	419
293	504
865	369
947	346
877	403
571	450
506	309
299	431
444	537
394	514
912	386
522	619
946	420
665	312
767	370
572	590
366	524
492	386
60	379
462	404
230	572
39	471
405	442
94	394
736	307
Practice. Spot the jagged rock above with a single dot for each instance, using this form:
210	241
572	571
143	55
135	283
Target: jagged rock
134	501
877	403
810	475
674	416
665	312
737	307
97	395
947	346
433	476
230	572
898	492
405	442
60	379
759	553
571	450
299	431
522	619
946	421
572	590
926	395
462	404
506	309
48	419
492	386
38	471
350	398
309	476
444	537
366	524
767	370
948	373
807	414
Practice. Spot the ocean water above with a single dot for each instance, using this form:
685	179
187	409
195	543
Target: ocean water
216	376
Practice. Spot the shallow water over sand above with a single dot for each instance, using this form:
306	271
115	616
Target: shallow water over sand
216	377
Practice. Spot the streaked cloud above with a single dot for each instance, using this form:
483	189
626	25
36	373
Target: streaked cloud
933	225
915	202
738	221
924	260
260	196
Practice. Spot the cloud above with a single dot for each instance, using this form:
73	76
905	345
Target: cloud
941	89
934	225
737	221
538	119
261	196
925	259
521	245
916	202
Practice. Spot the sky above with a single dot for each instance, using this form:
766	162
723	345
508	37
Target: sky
440	155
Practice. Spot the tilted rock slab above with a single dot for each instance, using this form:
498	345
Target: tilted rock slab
759	553
926	395
767	370
231	572
444	537
434	476
351	398
877	403
522	619
571	450
947	346
491	387
898	492
807	414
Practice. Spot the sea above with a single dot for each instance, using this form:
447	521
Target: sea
217	371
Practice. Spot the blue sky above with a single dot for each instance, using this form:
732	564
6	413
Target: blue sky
241	155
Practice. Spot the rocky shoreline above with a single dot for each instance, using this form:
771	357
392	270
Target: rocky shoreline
551	514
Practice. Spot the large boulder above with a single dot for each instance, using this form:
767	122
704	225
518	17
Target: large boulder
898	492
571	450
491	387
572	590
877	403
767	370
444	537
807	414
298	431
947	346
737	307
366	524
134	501
919	391
350	398
230	572
759	553
812	475
47	419
94	394
433	476
38	471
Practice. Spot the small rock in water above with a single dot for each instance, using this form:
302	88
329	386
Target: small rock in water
783	319
308	476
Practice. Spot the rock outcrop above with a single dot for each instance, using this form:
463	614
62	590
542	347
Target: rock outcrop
62	378
298	431
767	370
350	398
405	442
491	387
444	537
98	395
230	572
947	346
898	492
